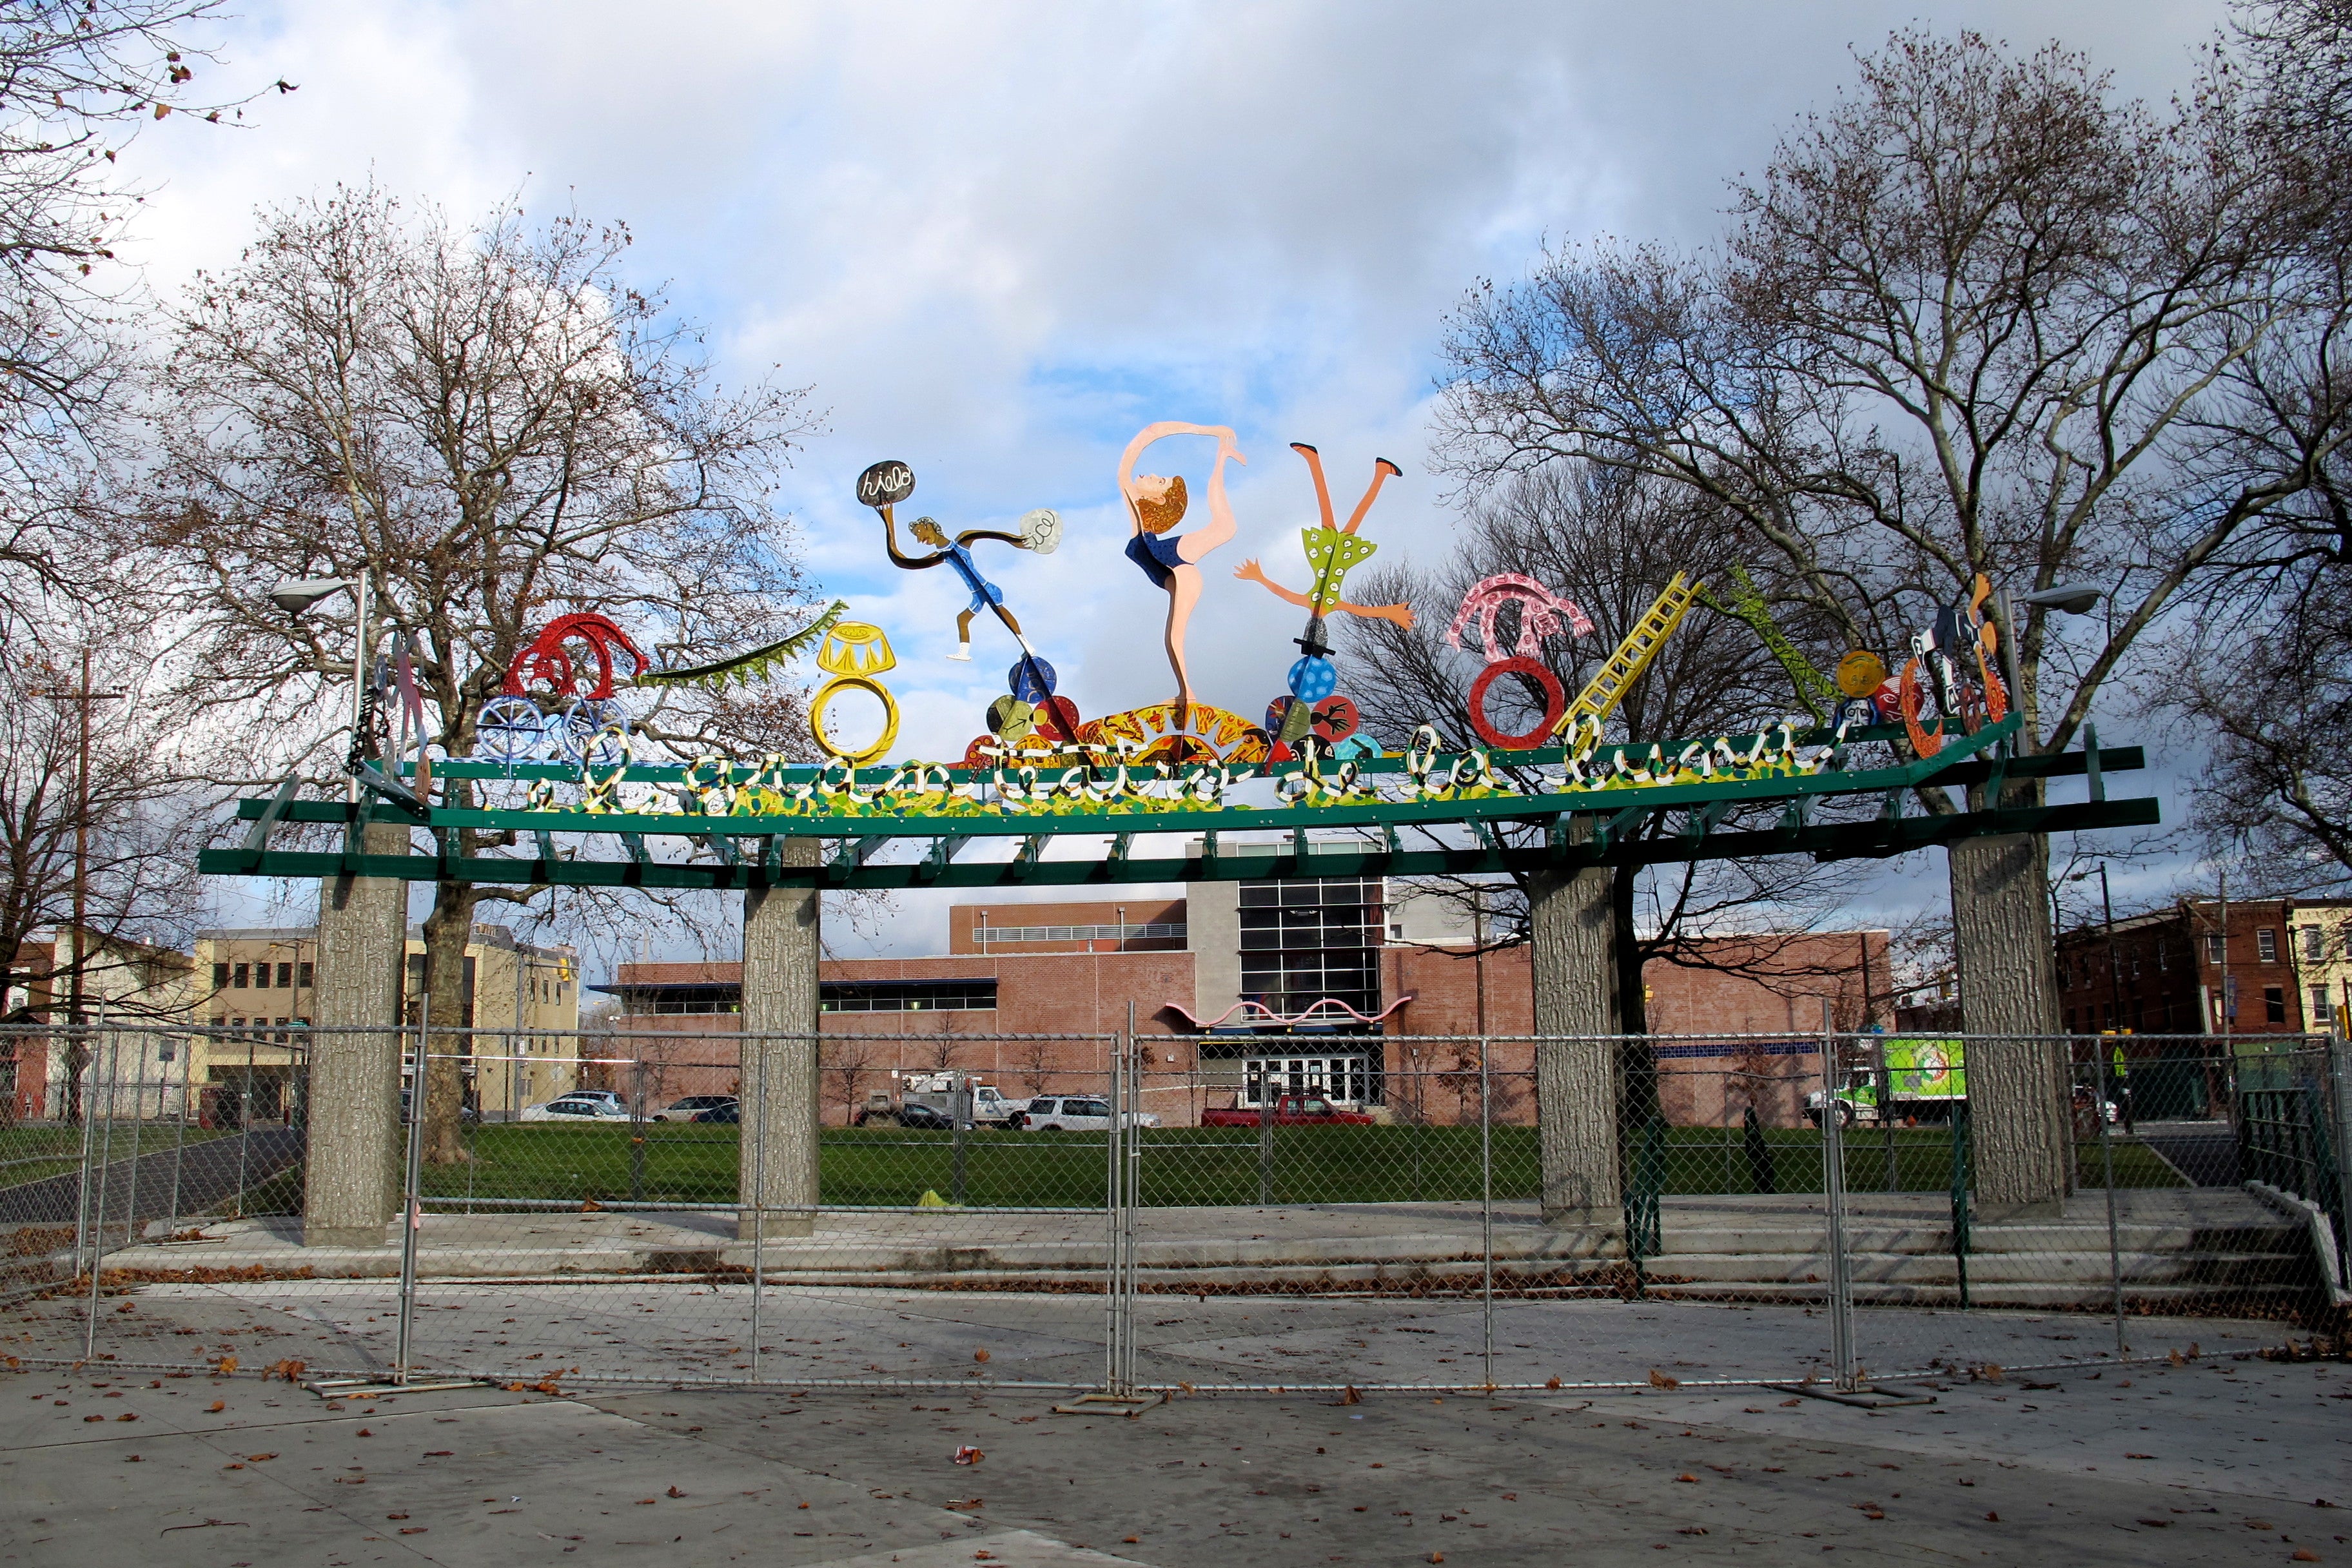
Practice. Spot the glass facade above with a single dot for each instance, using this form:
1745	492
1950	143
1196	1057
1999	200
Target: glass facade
1305	941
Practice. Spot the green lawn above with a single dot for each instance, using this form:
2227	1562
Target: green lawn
1179	1165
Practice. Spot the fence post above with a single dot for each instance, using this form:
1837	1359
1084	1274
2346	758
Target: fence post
2107	1169
412	1211
105	1159
637	1131
78	1103
760	1186
959	1114
180	1135
1963	1132
1110	1223
1487	1208
1265	1136
1833	1204
1131	1142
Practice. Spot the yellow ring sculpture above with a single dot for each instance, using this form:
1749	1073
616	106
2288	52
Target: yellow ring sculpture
834	688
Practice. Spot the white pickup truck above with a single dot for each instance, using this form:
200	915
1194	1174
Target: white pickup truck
928	1100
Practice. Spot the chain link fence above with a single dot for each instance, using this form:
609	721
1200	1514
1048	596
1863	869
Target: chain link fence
1142	1212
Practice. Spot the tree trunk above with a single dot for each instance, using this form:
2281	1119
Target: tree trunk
447	932
778	1154
1571	934
2009	1009
352	1182
1637	1063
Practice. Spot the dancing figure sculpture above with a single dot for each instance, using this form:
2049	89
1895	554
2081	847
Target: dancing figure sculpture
1155	505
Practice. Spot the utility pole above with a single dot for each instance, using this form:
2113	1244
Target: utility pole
76	1048
2114	981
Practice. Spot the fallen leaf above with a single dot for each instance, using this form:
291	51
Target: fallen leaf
2303	1554
93	1419
2140	1455
1686	1476
126	1415
216	1406
1994	1517
224	1366
980	1355
365	1433
1351	1396
439	1454
968	1454
413	1529
1551	1383
1660	1380
1787	1403
257	1458
675	1492
1692	1530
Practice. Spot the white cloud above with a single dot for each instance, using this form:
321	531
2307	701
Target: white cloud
995	240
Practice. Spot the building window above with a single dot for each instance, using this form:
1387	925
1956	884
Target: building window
1306	940
2213	948
241	976
308	976
286	976
2320	1011
1150	931
220	976
907	996
2266	946
2274	1004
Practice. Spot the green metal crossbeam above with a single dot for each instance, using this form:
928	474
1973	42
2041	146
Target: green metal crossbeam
1876	838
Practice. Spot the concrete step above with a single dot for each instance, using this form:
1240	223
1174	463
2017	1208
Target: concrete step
1936	1237
2213	1267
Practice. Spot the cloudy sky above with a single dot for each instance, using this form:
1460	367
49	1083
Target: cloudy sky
994	240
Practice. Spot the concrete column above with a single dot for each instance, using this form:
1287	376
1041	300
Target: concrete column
1573	943
1212	923
2018	1091
778	1160
352	1184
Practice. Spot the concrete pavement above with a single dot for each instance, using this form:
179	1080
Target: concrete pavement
2242	1455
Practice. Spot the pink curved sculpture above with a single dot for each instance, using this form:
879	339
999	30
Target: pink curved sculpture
1540	614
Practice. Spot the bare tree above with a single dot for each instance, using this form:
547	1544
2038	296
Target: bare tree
1032	1060
77	80
1610	542
1978	317
130	843
847	1061
495	426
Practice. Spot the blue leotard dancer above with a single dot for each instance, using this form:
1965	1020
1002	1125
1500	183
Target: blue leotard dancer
1155	506
957	553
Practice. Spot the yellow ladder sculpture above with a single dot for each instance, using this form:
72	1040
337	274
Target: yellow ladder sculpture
1620	669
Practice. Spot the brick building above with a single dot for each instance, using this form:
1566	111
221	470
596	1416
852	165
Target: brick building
1391	980
2180	990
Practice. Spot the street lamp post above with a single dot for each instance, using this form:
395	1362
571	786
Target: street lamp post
295	595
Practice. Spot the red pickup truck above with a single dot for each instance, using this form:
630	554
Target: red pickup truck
1289	1110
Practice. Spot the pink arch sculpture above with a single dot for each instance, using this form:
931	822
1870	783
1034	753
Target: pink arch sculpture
1540	614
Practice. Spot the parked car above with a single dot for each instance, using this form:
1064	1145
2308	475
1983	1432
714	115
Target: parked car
730	1112
609	1096
1288	1111
572	1108
691	1107
1077	1113
930	1096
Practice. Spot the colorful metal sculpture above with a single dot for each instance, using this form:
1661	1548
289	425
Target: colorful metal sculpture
1332	551
1934	672
853	653
574	710
1542	613
1155	505
1622	668
1746	605
1031	704
743	669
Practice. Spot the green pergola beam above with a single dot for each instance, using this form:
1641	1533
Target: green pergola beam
1628	803
1834	841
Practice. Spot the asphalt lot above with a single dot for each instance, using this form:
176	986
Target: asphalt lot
2218	1461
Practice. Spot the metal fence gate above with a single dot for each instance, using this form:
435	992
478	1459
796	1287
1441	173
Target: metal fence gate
1140	1211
